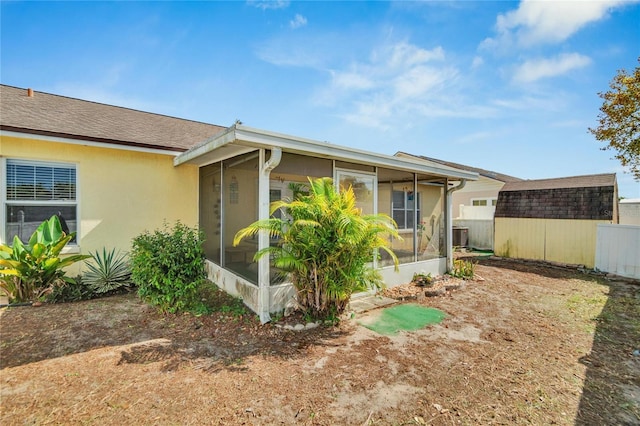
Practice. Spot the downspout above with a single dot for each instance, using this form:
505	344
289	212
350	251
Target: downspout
263	238
449	225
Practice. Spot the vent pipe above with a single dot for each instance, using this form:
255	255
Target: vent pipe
30	92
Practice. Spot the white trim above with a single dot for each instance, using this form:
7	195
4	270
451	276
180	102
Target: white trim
414	210
241	136
83	142
3	200
489	201
71	247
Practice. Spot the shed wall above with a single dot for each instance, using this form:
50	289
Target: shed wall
556	240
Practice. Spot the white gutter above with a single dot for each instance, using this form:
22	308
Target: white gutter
449	239
264	279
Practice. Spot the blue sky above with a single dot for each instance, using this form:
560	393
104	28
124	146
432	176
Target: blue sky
506	86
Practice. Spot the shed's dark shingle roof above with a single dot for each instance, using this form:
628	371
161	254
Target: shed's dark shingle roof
60	116
590	197
605	179
482	172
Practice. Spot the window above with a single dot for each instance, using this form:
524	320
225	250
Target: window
484	201
402	208
35	191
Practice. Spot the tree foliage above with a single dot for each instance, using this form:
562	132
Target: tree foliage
619	119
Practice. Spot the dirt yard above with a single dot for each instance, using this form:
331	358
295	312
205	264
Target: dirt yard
527	345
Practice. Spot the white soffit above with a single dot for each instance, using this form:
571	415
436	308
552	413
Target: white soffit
239	139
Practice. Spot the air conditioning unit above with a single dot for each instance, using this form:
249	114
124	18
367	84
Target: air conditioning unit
460	236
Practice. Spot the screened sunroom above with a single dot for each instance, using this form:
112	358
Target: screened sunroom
243	170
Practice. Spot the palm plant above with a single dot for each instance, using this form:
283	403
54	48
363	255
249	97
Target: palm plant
108	272
326	244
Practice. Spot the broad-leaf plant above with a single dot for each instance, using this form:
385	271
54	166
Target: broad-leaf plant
28	271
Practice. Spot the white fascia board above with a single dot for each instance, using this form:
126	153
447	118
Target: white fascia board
257	138
324	149
83	142
218	140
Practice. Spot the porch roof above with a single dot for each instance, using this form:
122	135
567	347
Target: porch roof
239	139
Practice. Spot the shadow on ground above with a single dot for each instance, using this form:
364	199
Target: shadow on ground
611	392
611	389
218	340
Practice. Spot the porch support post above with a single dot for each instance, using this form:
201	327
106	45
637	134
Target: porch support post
449	220
263	237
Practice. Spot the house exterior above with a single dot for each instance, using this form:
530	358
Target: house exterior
116	165
477	200
555	219
474	205
629	211
113	173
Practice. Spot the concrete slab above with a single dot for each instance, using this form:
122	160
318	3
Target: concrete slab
367	303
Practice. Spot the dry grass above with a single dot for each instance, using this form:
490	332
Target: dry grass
529	345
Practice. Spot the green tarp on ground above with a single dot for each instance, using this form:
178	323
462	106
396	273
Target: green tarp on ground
407	317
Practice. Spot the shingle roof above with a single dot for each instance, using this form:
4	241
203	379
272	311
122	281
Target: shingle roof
586	181
482	172
60	116
591	197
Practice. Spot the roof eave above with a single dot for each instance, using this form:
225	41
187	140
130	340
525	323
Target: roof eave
250	138
86	140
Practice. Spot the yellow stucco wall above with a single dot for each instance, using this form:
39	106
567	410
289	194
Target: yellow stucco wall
120	193
556	240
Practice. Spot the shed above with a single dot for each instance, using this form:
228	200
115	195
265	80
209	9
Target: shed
555	219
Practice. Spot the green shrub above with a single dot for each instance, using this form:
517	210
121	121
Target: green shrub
422	279
108	273
463	269
326	244
29	271
167	266
210	298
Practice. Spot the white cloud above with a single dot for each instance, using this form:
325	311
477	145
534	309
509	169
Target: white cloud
400	85
534	70
477	62
407	55
269	4
539	22
298	21
351	80
418	81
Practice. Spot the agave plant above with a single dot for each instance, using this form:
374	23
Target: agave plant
108	272
326	244
27	271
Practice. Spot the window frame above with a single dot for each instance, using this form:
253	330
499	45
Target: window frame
406	209
72	246
490	201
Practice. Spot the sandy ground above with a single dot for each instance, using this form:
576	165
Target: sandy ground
527	345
